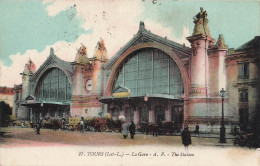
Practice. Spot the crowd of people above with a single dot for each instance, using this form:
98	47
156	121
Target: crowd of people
126	127
185	134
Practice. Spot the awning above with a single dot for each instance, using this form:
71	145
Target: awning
43	103
109	99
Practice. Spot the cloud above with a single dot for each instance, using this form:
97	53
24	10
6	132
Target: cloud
56	6
182	39
26	25
10	75
114	21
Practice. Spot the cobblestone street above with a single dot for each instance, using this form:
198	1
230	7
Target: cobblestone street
28	137
22	146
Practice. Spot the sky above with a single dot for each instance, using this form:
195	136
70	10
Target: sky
29	28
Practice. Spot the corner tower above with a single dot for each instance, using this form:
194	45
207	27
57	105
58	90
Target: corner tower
99	59
200	41
207	74
88	82
29	70
27	74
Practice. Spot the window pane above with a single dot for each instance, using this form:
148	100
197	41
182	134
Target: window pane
53	86
157	75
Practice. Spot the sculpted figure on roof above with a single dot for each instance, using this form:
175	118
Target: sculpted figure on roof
221	42
29	67
201	23
82	55
101	51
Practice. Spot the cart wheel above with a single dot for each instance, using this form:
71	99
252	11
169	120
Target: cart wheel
103	128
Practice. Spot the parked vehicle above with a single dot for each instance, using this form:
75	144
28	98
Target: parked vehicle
247	139
100	124
74	123
164	128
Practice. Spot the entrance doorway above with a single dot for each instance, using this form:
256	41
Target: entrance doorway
144	114
243	119
129	114
177	116
159	114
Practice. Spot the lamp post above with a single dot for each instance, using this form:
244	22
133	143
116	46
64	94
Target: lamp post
222	128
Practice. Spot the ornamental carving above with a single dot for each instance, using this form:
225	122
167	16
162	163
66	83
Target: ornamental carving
141	41
221	42
195	47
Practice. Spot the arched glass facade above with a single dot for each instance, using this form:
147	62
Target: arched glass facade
150	71
53	86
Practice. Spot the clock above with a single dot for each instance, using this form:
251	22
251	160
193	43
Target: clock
89	85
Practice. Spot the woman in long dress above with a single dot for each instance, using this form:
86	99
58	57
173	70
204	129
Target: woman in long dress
125	127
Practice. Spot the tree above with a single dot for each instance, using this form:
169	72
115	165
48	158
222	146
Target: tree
5	111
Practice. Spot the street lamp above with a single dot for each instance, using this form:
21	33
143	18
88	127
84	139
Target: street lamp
222	128
146	96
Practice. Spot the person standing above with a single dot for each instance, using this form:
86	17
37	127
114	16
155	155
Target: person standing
82	125
125	129
186	138
197	129
38	127
132	130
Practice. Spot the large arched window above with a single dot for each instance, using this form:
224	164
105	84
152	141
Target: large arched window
53	86
150	71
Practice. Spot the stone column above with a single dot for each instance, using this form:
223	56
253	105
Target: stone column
199	64
31	115
217	68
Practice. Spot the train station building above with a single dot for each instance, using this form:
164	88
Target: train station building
150	79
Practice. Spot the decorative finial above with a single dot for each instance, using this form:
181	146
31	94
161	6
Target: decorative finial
51	52
81	56
141	26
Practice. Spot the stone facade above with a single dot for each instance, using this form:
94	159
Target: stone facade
60	89
243	83
151	79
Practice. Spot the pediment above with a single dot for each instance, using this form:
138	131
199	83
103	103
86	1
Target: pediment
53	61
141	40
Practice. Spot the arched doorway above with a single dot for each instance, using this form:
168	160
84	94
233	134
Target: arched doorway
129	112
152	70
53	95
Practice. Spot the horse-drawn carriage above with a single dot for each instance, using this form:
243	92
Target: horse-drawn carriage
104	124
160	128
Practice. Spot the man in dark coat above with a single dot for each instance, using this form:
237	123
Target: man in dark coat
186	138
197	129
38	127
132	130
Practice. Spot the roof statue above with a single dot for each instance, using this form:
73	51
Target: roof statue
221	42
201	23
29	67
101	51
82	55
